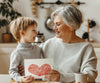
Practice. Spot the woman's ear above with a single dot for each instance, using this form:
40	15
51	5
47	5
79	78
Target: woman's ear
72	28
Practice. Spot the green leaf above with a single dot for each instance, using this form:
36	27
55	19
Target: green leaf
12	17
18	14
4	0
3	22
3	13
7	10
0	10
7	15
11	1
9	5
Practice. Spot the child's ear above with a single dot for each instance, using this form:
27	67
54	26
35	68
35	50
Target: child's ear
22	32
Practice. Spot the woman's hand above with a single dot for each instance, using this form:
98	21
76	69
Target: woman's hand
27	79
20	69
52	75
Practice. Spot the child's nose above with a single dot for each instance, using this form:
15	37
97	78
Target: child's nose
36	32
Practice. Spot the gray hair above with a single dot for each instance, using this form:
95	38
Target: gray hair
70	15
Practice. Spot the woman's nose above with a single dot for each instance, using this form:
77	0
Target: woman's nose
54	28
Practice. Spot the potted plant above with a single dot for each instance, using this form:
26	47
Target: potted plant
8	13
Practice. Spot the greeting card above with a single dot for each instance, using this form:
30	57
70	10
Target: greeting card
38	67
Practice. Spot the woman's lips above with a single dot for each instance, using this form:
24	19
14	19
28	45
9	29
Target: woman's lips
57	32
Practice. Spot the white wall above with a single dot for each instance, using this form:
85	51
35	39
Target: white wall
90	10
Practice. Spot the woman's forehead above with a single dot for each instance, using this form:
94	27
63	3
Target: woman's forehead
58	18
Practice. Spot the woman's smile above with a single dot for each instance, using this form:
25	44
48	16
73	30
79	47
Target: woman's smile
57	32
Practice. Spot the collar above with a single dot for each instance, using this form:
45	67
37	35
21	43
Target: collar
24	45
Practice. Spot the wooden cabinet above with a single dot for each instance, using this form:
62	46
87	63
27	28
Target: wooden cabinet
5	51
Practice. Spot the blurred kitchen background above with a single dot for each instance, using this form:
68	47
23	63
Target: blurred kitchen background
41	12
90	29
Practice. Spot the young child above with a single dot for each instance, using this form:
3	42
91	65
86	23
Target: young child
23	30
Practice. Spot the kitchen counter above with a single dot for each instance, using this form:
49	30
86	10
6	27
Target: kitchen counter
5	78
95	44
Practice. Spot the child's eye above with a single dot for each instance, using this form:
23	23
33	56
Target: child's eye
33	30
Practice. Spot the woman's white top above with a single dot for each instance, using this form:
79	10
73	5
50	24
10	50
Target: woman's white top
70	58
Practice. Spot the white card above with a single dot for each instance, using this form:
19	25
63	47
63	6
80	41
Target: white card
37	67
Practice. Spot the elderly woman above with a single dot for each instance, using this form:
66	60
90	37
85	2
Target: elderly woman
71	54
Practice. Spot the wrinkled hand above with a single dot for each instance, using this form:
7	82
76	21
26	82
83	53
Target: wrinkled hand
20	69
52	75
27	79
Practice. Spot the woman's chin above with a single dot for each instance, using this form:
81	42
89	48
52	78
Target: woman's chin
57	36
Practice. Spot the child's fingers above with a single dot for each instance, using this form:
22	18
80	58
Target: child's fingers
20	67
20	71
29	79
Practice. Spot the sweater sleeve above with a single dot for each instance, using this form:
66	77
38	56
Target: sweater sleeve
89	63
67	77
41	46
15	60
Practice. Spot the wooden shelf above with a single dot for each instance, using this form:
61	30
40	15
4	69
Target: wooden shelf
10	45
96	44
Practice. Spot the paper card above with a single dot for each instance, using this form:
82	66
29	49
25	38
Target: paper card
37	67
46	82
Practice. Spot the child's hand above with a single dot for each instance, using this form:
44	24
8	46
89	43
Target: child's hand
52	75
20	69
27	79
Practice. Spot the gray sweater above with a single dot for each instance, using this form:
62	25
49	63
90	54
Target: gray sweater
70	58
23	51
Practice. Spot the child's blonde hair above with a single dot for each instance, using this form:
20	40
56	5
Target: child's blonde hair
19	24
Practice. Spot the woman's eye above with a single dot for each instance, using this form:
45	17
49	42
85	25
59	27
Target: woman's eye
58	24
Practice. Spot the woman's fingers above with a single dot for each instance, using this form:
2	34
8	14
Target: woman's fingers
52	75
53	72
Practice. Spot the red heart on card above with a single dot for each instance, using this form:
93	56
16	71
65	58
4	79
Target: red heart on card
35	69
